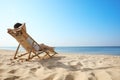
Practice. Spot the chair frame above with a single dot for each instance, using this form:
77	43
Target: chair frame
22	41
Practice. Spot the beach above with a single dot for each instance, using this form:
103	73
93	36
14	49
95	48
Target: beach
62	66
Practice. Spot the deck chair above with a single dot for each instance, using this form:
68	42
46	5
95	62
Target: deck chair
32	48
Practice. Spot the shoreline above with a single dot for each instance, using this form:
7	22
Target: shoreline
76	53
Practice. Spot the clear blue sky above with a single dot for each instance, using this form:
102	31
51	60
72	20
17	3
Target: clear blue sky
63	22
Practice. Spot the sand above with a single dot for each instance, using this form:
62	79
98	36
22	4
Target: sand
61	67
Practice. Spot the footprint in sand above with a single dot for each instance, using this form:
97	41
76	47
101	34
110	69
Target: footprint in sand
1	71
75	65
50	77
12	78
1	64
12	71
33	69
91	76
69	77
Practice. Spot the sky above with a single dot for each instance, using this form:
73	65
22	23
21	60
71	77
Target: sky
63	22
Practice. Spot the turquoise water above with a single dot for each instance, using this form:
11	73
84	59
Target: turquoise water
90	50
111	50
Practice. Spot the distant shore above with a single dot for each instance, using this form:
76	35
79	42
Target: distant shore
62	66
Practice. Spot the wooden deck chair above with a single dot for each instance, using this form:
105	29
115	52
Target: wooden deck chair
32	48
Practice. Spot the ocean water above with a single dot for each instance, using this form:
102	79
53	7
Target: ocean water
111	50
91	50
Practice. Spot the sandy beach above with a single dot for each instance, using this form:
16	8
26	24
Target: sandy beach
61	67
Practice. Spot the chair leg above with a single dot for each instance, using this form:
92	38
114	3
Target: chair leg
16	52
35	56
54	54
22	54
29	55
47	53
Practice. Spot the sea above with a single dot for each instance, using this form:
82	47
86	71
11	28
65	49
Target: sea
103	50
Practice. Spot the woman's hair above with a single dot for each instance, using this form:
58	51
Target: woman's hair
17	25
